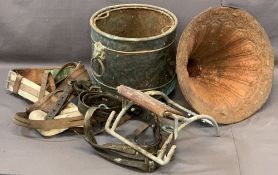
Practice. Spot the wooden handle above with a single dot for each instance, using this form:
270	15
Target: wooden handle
146	101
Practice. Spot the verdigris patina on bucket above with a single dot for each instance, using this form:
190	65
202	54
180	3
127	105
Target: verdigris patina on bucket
134	45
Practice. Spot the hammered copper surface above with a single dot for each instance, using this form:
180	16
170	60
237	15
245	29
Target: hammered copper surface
137	44
134	22
225	64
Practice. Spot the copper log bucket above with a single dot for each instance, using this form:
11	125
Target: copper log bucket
134	45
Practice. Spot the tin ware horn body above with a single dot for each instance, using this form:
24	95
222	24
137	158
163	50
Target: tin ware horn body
225	64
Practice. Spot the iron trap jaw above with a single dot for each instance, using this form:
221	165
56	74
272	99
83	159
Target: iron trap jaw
175	113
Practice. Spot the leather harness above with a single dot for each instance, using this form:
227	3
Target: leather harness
96	106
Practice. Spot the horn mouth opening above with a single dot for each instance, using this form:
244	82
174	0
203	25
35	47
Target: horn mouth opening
134	21
225	64
193	68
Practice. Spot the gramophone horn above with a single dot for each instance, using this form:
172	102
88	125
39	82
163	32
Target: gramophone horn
225	64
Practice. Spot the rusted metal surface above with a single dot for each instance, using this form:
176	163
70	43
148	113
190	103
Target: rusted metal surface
134	45
225	64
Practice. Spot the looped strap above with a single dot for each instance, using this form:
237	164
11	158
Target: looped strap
17	83
22	119
117	153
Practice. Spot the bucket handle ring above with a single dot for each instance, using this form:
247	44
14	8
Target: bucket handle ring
99	56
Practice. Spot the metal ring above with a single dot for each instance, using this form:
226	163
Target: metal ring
167	128
101	65
102	15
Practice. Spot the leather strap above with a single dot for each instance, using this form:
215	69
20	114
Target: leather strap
43	84
21	119
25	88
60	103
55	101
107	102
118	153
48	102
96	106
17	83
61	70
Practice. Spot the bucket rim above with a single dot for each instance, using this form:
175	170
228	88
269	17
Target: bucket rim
142	6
